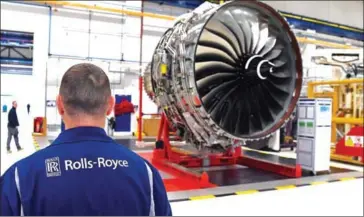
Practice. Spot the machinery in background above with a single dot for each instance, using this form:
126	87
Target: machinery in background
347	115
313	132
349	61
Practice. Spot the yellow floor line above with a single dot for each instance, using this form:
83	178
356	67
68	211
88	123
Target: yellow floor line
347	179
202	197
318	183
285	187
246	192
36	144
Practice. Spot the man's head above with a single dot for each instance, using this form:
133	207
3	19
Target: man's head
84	96
15	104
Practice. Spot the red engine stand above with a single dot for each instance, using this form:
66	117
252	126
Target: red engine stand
177	161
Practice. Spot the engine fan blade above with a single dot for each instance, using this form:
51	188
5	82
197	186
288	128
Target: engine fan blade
212	40
210	97
263	37
245	28
204	53
271	42
282	74
206	84
276	52
217	28
216	111
227	19
204	69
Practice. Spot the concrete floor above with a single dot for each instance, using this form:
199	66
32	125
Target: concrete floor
334	199
339	198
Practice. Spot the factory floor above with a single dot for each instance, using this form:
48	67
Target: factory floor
340	193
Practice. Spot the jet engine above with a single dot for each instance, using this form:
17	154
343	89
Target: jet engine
226	74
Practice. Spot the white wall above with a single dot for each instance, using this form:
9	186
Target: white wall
111	36
28	88
342	12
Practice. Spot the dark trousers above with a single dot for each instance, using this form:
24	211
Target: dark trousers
13	132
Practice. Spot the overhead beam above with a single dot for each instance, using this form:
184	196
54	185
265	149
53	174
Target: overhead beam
108	9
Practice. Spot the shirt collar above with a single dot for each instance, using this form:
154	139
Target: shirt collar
79	134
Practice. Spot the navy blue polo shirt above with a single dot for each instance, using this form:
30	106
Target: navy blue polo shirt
83	172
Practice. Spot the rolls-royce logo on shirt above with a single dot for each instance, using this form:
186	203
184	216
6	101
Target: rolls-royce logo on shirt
53	167
101	162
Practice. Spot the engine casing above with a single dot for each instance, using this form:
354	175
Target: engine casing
225	74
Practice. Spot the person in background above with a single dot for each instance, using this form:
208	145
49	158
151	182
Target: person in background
28	108
84	172
13	125
111	126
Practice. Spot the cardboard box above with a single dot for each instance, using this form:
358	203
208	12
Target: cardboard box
151	126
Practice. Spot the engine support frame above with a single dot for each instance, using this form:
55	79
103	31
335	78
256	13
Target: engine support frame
168	157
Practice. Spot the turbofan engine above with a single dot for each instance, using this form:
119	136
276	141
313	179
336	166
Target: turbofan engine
226	74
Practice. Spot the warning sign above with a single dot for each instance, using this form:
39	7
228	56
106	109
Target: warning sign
354	141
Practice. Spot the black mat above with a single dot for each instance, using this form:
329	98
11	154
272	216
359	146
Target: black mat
230	177
241	176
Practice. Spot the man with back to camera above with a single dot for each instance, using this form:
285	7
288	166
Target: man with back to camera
13	125
84	172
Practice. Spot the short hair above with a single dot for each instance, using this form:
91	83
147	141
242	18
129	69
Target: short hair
85	89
